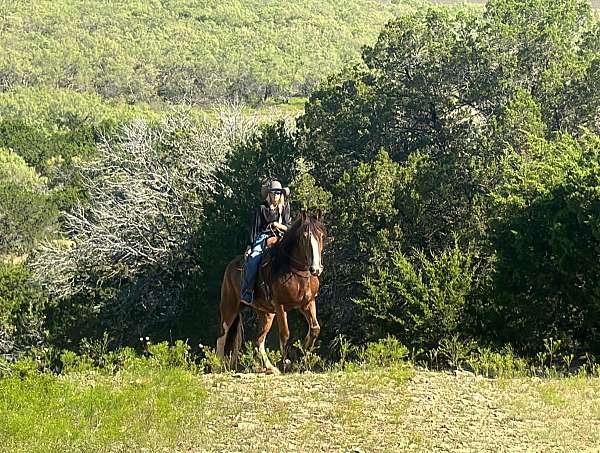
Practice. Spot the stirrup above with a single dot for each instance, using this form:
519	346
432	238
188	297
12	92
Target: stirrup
249	298
247	303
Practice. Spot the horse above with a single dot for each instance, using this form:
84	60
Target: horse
290	280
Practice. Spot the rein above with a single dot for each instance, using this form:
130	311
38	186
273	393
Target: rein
297	265
300	264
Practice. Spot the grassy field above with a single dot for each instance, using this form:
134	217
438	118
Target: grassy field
171	409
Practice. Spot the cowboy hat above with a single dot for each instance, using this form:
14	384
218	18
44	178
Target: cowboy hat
274	186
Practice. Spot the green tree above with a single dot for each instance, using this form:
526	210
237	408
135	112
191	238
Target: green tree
27	213
459	99
363	224
547	237
439	80
307	195
550	50
22	303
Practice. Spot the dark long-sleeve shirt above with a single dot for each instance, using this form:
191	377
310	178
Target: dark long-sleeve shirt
264	215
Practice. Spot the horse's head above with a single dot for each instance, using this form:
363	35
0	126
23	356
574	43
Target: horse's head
311	237
302	246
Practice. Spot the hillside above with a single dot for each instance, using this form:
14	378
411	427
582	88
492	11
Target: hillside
180	51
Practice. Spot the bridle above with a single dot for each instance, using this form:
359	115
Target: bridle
303	267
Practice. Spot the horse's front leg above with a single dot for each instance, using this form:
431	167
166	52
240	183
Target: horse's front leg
284	334
265	322
310	313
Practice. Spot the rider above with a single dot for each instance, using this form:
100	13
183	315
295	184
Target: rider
272	217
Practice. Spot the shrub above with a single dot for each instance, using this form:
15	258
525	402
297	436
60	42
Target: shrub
27	213
384	353
164	355
421	298
22	303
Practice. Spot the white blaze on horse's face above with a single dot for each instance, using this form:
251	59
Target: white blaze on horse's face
315	267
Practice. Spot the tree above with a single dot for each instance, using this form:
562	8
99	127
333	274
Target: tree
136	244
547	236
21	309
438	79
459	100
550	50
307	195
27	213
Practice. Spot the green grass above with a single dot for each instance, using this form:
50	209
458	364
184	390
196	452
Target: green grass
165	409
145	408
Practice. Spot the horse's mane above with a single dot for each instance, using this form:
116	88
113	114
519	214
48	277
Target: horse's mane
281	252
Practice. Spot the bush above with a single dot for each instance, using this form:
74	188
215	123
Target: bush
164	355
21	310
27	213
384	353
421	298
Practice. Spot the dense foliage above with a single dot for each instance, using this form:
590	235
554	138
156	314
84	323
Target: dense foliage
457	162
21	310
547	238
26	208
465	105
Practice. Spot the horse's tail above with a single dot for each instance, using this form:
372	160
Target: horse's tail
235	340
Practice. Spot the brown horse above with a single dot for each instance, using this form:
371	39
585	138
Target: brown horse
290	273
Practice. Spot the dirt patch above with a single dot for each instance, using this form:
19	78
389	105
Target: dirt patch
397	410
468	413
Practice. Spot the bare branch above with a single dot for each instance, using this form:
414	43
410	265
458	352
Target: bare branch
147	189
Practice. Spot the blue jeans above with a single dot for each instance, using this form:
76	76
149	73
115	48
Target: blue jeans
251	267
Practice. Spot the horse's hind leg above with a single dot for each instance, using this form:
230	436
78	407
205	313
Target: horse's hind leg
227	320
265	321
229	307
224	329
310	313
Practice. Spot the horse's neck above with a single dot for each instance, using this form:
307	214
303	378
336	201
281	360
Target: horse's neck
297	258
